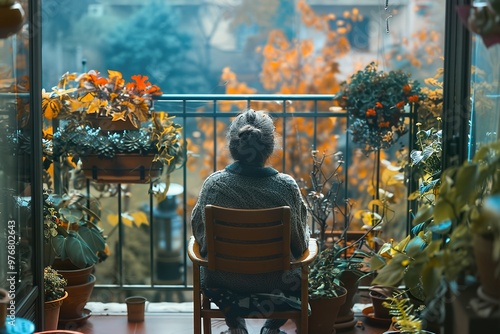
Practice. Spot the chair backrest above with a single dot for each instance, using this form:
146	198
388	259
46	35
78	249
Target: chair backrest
248	241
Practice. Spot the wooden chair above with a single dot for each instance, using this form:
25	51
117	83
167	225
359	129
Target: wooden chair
232	235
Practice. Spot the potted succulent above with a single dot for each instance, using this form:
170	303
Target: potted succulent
54	288
101	125
375	102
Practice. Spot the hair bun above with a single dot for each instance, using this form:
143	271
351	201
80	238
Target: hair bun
249	132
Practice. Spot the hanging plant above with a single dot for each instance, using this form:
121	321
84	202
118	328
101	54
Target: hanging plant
375	102
79	98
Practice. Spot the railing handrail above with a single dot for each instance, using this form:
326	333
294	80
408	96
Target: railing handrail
255	97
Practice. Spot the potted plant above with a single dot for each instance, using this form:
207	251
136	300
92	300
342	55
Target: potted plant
405	317
81	98
71	231
453	236
115	157
101	119
74	243
11	18
54	289
337	260
425	166
375	102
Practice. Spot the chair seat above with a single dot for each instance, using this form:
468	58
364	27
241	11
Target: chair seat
237	304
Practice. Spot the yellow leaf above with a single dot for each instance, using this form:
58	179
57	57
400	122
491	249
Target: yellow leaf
140	218
112	219
114	74
118	116
88	97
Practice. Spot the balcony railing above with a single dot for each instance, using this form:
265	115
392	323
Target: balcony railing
304	122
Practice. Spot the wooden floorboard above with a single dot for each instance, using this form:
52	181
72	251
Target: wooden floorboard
182	323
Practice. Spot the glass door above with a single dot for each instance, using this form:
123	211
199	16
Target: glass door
20	160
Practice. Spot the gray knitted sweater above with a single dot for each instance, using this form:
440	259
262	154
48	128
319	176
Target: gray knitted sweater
248	187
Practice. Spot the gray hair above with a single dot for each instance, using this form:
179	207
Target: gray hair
251	137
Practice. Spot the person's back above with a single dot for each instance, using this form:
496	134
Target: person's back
249	184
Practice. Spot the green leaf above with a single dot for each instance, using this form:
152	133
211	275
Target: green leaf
377	262
78	252
465	182
444	211
424	214
71	215
57	243
431	278
443	227
415	246
393	273
92	238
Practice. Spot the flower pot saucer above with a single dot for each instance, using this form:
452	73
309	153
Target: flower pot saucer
372	320
77	322
345	324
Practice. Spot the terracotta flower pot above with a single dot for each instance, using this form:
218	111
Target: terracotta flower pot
51	312
78	296
122	168
106	124
324	313
136	306
345	317
73	274
378	295
11	19
486	266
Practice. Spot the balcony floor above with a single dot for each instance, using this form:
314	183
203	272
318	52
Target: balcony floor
170	318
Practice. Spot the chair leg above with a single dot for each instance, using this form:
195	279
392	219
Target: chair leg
197	314
207	326
303	325
207	322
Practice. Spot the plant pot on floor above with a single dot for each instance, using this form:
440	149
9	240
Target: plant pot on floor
324	313
378	295
486	266
51	312
345	317
4	303
136	306
73	308
73	274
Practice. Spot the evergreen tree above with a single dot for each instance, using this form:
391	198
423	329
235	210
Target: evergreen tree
152	43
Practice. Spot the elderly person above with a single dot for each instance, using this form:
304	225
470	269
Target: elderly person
248	183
